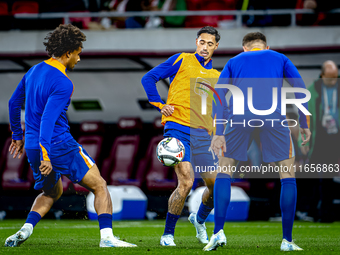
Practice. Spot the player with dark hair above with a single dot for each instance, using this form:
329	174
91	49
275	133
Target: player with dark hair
51	150
262	70
185	122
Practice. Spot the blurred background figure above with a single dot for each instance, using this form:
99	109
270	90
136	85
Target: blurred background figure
320	17
324	145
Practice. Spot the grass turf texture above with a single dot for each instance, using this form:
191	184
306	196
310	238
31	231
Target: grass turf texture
82	237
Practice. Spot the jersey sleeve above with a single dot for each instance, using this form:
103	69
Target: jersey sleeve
167	69
14	105
56	103
219	109
294	79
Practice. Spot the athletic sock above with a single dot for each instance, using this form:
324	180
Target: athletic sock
203	213
33	218
222	191
105	225
170	224
288	206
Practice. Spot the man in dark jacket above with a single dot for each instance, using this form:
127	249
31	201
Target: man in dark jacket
323	148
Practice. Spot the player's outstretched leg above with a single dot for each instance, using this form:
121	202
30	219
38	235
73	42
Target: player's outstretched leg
176	202
41	206
198	219
222	191
103	206
288	205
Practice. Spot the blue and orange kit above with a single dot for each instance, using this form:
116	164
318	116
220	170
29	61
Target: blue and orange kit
246	70
46	91
189	75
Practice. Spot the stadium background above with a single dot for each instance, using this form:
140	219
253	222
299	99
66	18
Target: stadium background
109	112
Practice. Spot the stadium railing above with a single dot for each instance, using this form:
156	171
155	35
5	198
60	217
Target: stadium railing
237	13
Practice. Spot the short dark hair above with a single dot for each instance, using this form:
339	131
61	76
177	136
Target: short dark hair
254	37
65	38
209	30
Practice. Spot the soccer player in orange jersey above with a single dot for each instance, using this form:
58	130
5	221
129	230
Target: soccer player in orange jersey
183	120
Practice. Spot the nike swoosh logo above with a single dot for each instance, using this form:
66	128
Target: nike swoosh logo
202	72
166	243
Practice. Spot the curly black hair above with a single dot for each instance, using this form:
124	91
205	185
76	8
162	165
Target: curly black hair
209	30
65	38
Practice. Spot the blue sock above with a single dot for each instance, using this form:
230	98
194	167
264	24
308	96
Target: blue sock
170	224
222	192
33	218
203	213
288	206
105	220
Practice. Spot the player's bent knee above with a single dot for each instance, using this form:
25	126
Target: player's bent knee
54	194
186	185
100	185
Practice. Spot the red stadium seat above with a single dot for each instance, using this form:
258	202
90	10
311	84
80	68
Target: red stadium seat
14	176
157	175
124	152
150	171
4	9
25	7
118	168
91	140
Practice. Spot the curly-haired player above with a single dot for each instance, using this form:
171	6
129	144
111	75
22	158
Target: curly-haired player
50	148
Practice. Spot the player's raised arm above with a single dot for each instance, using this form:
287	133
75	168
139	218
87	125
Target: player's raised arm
169	68
14	105
56	103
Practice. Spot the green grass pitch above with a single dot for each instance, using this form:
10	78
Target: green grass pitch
82	237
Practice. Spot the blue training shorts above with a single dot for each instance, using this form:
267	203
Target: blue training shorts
197	147
68	158
276	140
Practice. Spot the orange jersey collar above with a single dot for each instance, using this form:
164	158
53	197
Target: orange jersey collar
55	63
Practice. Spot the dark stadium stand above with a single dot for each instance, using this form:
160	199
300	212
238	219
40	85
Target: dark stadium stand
14	176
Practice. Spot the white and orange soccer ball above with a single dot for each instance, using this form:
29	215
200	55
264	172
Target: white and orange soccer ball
170	151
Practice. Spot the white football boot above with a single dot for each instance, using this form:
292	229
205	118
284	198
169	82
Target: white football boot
114	242
19	237
201	230
167	240
289	246
216	240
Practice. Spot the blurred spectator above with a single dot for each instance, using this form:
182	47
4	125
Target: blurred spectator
320	17
173	5
266	20
137	6
324	146
224	21
61	5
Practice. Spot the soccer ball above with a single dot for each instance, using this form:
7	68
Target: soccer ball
170	151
